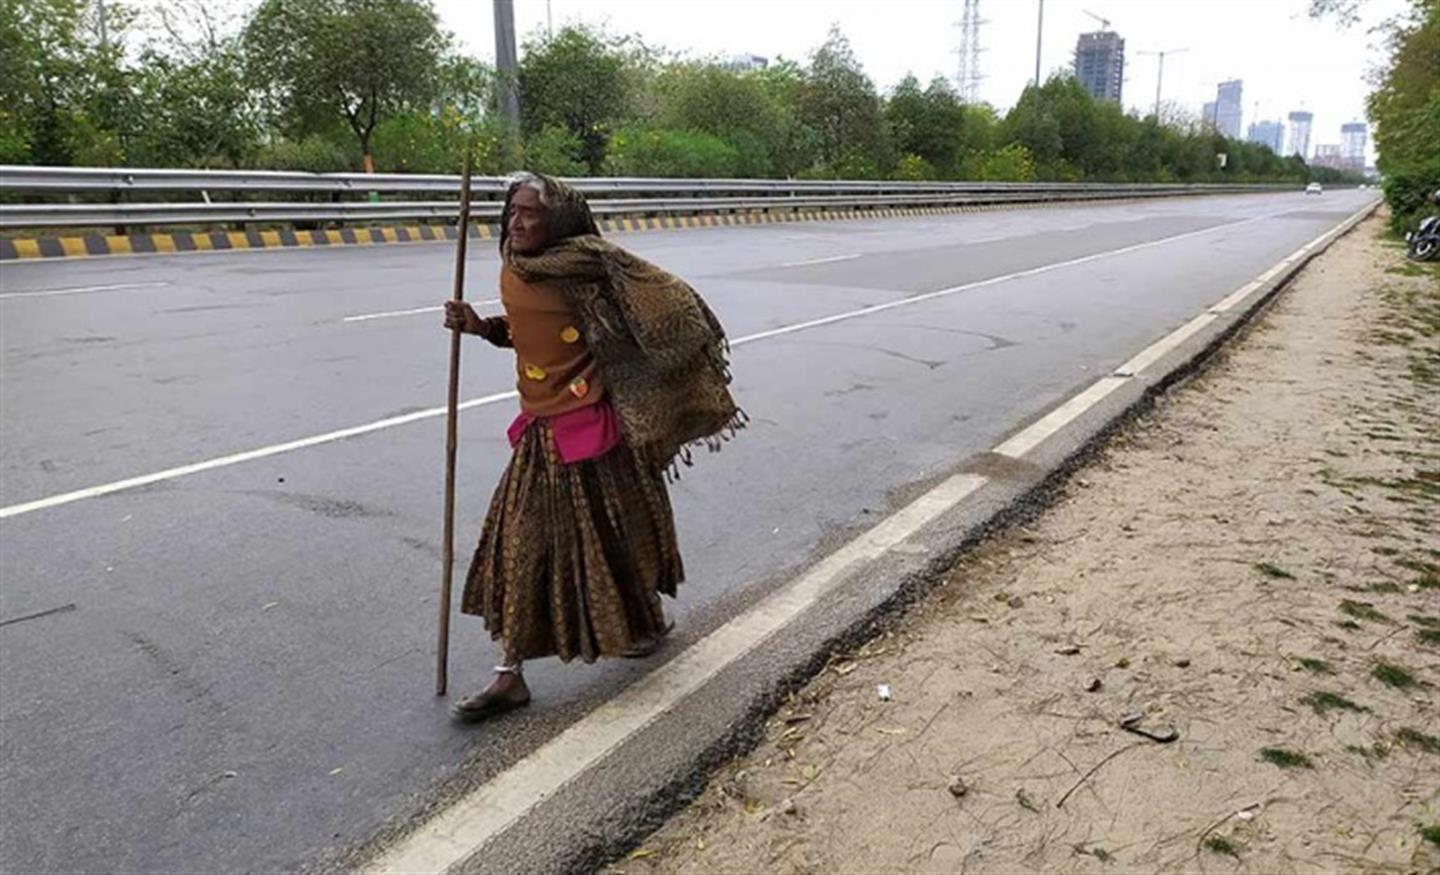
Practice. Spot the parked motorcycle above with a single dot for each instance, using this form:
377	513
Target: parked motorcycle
1424	241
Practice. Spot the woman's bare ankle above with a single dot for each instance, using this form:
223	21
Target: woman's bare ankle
508	685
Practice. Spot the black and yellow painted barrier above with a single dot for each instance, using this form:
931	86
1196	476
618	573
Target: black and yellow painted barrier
95	245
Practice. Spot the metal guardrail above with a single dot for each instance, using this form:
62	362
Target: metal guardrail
77	215
608	195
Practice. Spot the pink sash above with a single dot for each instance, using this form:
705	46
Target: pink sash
580	435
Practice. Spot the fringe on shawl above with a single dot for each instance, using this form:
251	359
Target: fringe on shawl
714	443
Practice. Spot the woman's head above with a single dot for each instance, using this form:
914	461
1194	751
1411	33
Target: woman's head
540	211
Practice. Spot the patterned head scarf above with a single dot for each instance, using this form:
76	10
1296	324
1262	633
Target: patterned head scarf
567	212
660	348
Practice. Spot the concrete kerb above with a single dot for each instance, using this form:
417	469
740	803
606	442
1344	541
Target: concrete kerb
607	808
49	247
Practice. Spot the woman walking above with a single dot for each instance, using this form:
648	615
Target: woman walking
621	367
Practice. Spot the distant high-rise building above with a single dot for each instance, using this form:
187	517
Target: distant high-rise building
1207	114
1100	64
1270	134
748	62
1352	145
1300	123
1227	108
1328	155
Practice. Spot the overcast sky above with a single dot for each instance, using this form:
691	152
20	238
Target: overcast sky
1286	60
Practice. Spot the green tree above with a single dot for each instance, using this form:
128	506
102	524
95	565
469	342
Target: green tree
1405	109
197	113
733	106
356	62
575	80
64	95
190	92
1032	123
931	124
796	143
838	101
465	86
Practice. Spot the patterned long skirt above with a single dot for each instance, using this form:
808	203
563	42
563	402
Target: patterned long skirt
572	558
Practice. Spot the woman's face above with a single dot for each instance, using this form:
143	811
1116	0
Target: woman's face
528	231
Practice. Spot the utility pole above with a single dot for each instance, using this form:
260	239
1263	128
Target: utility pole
1039	32
100	24
1160	77
505	63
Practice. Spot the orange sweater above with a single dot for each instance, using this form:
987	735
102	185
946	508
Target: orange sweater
556	371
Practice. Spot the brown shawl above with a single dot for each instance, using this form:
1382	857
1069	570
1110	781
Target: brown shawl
660	349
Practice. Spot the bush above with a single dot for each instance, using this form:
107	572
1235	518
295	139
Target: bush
665	153
855	164
314	154
555	151
913	168
1010	164
416	142
1408	190
14	145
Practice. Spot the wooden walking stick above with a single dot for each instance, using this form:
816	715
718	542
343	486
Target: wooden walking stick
452	403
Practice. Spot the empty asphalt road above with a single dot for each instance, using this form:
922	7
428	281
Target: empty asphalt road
228	666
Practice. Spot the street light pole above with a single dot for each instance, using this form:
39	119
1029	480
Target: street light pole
507	80
1039	32
1159	83
1160	76
505	63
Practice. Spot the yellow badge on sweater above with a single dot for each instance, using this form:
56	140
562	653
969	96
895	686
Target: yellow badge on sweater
570	334
535	372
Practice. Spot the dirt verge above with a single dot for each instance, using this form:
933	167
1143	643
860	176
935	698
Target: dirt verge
1254	565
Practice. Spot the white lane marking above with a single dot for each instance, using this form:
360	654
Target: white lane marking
386	314
80	290
829	260
995	280
502	801
1058	418
1152	353
237	458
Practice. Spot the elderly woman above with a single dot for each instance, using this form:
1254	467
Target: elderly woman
621	367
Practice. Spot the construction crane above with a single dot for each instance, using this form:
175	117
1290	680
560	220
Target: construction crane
1104	22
